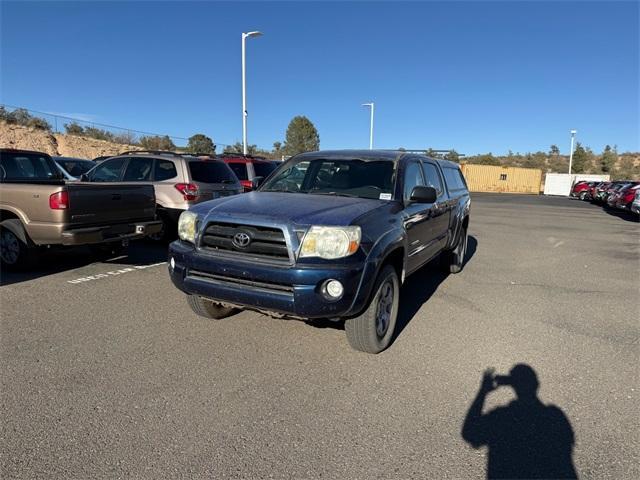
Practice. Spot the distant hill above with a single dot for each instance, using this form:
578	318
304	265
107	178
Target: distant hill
41	140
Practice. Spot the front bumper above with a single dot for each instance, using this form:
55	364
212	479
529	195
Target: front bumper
293	291
110	233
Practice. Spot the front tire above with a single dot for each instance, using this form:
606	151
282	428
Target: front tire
582	196
373	330
208	308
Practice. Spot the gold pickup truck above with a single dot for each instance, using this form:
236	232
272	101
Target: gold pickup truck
38	208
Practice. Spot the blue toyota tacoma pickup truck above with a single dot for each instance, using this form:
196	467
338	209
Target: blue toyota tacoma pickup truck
329	234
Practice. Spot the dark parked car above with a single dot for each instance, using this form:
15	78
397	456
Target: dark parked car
329	235
73	168
600	192
247	168
593	191
606	190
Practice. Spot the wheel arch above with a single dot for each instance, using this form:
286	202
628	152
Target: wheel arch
11	221
395	258
7	214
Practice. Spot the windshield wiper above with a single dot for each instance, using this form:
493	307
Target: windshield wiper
278	190
335	194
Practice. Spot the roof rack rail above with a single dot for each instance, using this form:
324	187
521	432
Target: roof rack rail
421	151
240	154
197	154
152	152
233	154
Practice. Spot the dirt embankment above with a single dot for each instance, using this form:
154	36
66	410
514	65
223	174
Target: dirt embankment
16	136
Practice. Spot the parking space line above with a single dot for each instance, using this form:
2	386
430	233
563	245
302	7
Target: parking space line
113	273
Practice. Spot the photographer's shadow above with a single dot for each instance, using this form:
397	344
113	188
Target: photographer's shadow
526	439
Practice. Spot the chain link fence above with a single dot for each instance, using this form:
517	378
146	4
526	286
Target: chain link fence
56	123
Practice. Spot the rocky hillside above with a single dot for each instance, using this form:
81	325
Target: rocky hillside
16	136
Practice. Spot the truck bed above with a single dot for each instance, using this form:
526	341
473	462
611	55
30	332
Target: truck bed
89	205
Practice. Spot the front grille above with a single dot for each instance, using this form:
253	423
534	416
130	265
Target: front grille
264	242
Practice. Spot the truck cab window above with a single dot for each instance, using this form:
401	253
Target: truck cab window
432	177
412	178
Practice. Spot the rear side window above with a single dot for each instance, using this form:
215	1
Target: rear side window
138	170
432	177
264	169
108	171
22	166
240	169
454	178
211	172
165	170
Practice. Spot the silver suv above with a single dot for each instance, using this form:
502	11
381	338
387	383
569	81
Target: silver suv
180	180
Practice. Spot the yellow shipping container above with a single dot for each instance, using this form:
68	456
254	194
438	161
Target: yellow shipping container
490	178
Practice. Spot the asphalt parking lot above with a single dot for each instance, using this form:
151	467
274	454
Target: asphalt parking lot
106	373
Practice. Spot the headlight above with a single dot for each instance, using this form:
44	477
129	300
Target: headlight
330	242
187	224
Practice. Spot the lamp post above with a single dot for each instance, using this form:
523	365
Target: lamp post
573	136
244	88
373	106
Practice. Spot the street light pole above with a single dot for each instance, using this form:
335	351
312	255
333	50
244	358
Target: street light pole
244	89
573	135
373	106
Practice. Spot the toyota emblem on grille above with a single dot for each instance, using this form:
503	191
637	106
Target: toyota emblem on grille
241	240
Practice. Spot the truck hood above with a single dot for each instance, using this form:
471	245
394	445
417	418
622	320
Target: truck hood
289	208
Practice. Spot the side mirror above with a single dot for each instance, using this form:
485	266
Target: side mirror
255	183
422	194
84	177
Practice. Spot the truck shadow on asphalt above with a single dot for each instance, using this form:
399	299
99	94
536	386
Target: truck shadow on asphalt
62	260
526	438
416	291
421	286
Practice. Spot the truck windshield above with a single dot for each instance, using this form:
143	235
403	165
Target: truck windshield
27	166
350	178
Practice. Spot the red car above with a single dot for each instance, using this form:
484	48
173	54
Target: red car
582	189
626	196
247	167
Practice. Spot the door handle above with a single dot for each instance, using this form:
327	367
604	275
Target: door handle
116	196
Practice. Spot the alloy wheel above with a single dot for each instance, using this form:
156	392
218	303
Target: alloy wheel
385	305
9	247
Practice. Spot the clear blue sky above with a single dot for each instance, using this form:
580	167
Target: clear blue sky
475	76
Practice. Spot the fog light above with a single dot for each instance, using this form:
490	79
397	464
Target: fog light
333	289
172	263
